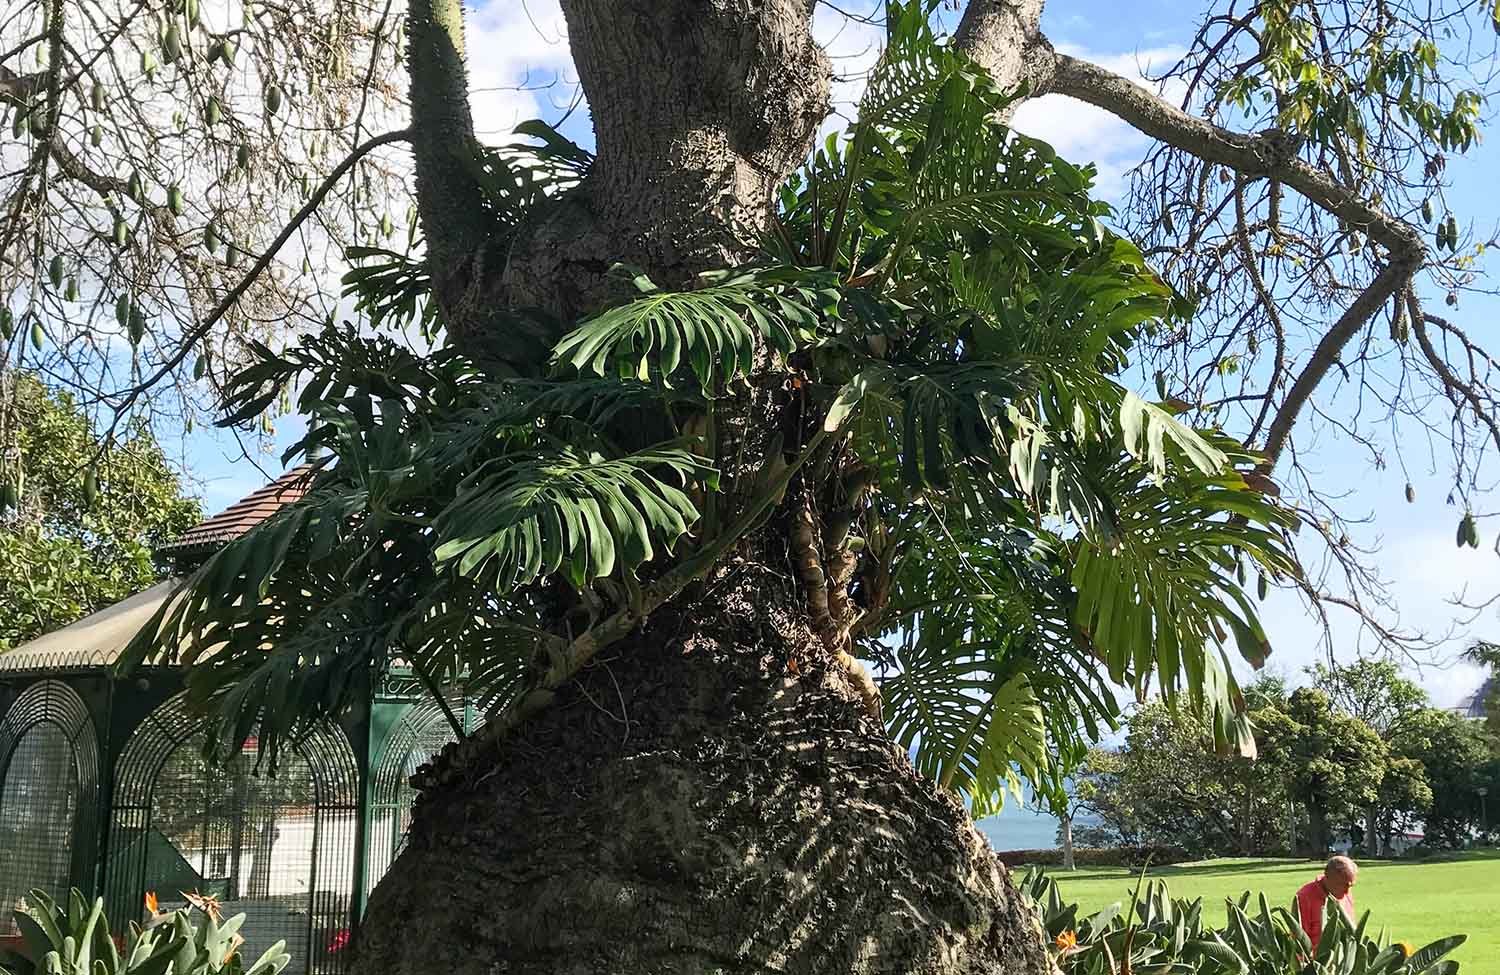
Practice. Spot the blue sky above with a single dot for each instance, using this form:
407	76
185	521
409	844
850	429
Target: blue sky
520	70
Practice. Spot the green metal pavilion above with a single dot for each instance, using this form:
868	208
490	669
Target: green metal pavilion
103	785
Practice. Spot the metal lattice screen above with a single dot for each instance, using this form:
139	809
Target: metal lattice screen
420	734
48	773
279	849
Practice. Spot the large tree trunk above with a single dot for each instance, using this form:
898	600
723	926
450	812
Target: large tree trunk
1317	829
713	798
713	795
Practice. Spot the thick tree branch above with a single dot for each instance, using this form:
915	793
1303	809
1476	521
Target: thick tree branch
1005	36
1260	155
1250	155
1395	275
449	198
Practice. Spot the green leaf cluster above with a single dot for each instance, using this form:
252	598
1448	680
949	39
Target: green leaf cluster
942	300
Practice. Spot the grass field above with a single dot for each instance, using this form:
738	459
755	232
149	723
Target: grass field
1417	901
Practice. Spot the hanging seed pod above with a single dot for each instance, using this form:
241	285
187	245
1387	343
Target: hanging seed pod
1167	223
90	487
122	310
121	232
175	202
7	324
148	64
1450	299
211	238
306	265
38	334
72	291
273	99
229	52
135	188
19	126
200	367
171	45
1427	210
1262	587
191	10
213	113
242	156
55	271
1411	494
1461	535
96	97
137	325
231	255
1452	226
96	136
386	227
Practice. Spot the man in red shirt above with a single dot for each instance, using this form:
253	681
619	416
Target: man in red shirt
1336	881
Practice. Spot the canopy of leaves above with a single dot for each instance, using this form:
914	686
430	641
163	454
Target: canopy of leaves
942	295
1167	785
68	547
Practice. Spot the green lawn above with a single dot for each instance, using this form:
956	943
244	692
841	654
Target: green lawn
1417	901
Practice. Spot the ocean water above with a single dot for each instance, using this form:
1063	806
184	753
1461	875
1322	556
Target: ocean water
1020	828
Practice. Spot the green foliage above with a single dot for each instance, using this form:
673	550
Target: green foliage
1332	763
74	939
1372	691
79	537
1458	758
950	319
1156	932
1166	784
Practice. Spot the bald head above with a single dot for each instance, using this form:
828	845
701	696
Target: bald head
1339	874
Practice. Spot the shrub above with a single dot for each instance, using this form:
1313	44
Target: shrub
1160	933
1106	856
77	941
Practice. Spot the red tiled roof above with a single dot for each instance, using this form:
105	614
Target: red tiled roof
246	513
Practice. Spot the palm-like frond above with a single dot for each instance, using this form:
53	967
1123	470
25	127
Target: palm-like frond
529	515
714	330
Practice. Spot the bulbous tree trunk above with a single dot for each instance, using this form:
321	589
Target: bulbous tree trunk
711	798
712	794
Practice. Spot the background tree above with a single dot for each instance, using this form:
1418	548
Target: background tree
1332	763
1374	692
156	152
919	434
1488	655
1168	785
1456	754
74	539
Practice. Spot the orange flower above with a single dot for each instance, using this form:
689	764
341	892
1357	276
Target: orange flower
1407	949
1066	941
151	903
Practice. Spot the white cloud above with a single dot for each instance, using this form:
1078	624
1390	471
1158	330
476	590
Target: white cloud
519	65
